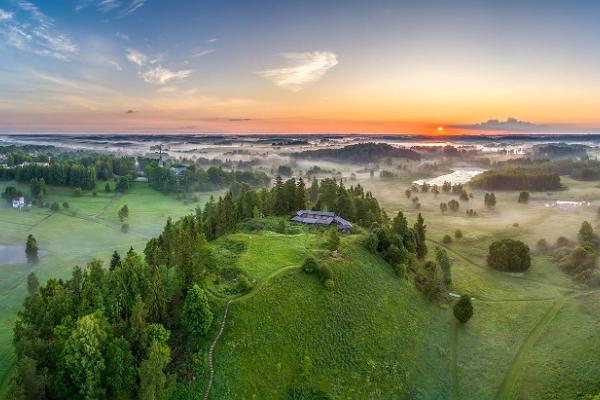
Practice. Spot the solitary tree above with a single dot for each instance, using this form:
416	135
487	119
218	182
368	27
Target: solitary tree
420	229
55	207
509	255
31	249
123	213
443	261
523	197
463	309
196	315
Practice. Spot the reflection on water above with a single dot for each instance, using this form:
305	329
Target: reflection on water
11	254
456	177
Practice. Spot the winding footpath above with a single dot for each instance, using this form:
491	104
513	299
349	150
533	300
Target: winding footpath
244	296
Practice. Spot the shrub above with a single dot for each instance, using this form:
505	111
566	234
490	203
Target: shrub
77	192
447	239
65	205
325	273
542	245
463	309
329	284
310	265
333	243
523	197
401	269
243	284
55	207
562	242
458	234
453	205
509	255
107	187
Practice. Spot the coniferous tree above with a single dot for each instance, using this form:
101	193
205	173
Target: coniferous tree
115	260
420	229
31	249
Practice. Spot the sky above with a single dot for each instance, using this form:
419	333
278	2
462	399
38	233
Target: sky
227	66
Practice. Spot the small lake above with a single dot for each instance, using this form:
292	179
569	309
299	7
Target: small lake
456	177
11	254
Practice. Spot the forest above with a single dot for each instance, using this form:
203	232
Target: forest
360	153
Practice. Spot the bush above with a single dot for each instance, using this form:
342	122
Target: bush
310	265
463	309
458	234
509	255
243	284
325	273
447	239
401	269
329	284
542	245
77	192
65	205
562	242
55	207
523	197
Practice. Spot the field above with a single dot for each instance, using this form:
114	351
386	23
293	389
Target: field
374	336
88	229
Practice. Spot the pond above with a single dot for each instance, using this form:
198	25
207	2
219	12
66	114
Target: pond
13	254
456	177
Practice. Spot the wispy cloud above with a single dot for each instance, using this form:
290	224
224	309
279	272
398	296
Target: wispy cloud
29	29
136	57
123	8
212	40
302	69
115	65
132	7
160	75
201	52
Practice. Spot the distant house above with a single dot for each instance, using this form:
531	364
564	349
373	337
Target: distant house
178	170
18	202
321	218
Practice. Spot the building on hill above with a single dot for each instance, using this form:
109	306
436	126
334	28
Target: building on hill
18	202
322	218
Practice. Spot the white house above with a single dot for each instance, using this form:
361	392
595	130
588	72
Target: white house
18	202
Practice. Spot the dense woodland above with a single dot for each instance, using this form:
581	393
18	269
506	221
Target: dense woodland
360	153
517	179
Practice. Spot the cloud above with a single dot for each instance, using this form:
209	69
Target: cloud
136	57
302	69
511	124
133	7
32	31
107	6
160	75
131	111
212	40
200	53
121	35
5	15
115	65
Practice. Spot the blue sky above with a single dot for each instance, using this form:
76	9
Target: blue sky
252	66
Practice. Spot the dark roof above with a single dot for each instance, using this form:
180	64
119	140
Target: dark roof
307	217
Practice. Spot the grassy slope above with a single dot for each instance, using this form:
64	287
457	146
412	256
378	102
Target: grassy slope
372	337
72	240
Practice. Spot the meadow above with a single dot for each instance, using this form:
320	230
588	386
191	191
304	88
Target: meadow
374	335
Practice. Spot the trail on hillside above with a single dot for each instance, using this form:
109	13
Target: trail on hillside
510	386
107	205
38	223
244	296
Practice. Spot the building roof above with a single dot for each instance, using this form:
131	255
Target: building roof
322	218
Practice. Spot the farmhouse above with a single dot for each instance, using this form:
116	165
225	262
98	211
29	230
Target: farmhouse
18	202
322	218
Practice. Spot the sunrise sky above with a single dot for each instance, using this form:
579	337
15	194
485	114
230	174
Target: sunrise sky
298	66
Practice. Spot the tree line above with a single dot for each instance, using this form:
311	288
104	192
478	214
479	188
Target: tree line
517	179
361	153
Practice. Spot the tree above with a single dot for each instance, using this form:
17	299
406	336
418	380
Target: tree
453	205
587	237
153	380
77	192
509	255
122	185
31	249
196	314
83	356
115	260
333	243
463	309
137	326
420	229
443	207
123	213
33	284
65	205
523	197
107	187
458	234
310	265
443	261
55	207
120	369
489	200
447	239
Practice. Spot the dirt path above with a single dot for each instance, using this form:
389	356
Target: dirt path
244	296
41	221
107	205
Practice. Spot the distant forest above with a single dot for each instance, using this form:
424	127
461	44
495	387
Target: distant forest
517	179
360	153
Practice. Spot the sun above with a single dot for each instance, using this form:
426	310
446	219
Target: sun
440	129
